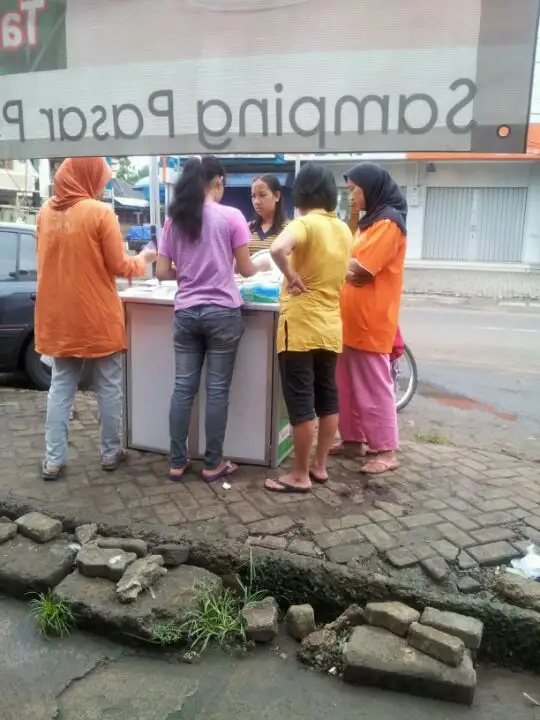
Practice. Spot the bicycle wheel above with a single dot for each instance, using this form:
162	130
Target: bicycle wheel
405	374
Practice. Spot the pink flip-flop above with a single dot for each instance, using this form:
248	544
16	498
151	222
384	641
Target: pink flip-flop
384	465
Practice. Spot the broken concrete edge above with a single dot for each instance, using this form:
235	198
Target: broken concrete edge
511	634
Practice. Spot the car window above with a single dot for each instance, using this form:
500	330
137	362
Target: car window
8	255
27	258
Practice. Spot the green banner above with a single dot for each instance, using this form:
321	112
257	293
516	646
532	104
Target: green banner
32	36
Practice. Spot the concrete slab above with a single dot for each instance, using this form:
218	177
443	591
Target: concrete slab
378	658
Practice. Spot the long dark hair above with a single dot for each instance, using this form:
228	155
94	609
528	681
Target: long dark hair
186	208
280	217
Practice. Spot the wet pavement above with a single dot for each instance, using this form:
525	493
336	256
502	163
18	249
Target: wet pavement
88	678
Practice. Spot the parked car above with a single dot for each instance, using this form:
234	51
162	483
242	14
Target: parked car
18	283
18	277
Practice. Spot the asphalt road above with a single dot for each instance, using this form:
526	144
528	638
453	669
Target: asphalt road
87	678
479	372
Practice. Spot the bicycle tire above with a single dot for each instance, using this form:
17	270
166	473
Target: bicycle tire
402	403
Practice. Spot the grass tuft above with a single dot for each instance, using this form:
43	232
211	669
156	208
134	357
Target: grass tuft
53	617
432	438
217	618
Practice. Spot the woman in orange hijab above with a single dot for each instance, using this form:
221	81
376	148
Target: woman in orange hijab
80	252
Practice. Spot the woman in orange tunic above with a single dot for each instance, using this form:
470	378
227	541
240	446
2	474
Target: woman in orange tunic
79	316
370	305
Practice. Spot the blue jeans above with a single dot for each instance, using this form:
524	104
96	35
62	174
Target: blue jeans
212	332
108	384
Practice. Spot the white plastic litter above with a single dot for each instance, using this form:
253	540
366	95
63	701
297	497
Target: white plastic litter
226	486
529	565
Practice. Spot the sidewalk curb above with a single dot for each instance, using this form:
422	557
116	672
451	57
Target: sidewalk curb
414	299
511	634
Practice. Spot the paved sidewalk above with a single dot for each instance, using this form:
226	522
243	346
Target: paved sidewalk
444	503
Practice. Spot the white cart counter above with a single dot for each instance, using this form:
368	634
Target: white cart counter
258	430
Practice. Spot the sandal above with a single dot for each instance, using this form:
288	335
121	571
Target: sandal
379	466
50	473
114	463
283	488
228	469
317	478
178	474
342	448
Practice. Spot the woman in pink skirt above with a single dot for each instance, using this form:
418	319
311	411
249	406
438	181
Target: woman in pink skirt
370	305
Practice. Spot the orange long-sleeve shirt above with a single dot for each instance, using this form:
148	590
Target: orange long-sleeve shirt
80	252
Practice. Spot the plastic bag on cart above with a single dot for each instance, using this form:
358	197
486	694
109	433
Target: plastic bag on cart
529	565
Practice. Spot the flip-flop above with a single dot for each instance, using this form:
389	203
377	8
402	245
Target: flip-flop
386	466
175	477
284	488
317	479
226	471
342	449
113	464
50	474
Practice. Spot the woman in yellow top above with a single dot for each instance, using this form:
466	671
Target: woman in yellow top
313	252
269	206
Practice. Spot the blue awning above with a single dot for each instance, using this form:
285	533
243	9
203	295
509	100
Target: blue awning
234	180
246	179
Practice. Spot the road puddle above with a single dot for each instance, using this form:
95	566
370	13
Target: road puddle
462	402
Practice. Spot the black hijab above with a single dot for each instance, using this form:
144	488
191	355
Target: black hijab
384	200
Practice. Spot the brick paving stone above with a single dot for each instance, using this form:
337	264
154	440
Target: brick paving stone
354	521
436	505
495	493
313	525
459	520
379	538
495	553
437	568
468	585
533	521
459	504
519	513
304	547
488	506
391	526
444	548
269	541
456	536
419	535
237	532
391	508
423	551
272	526
501	473
500	517
422	520
493	534
466	562
334	524
327	540
401	557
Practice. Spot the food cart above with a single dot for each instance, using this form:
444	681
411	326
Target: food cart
258	430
